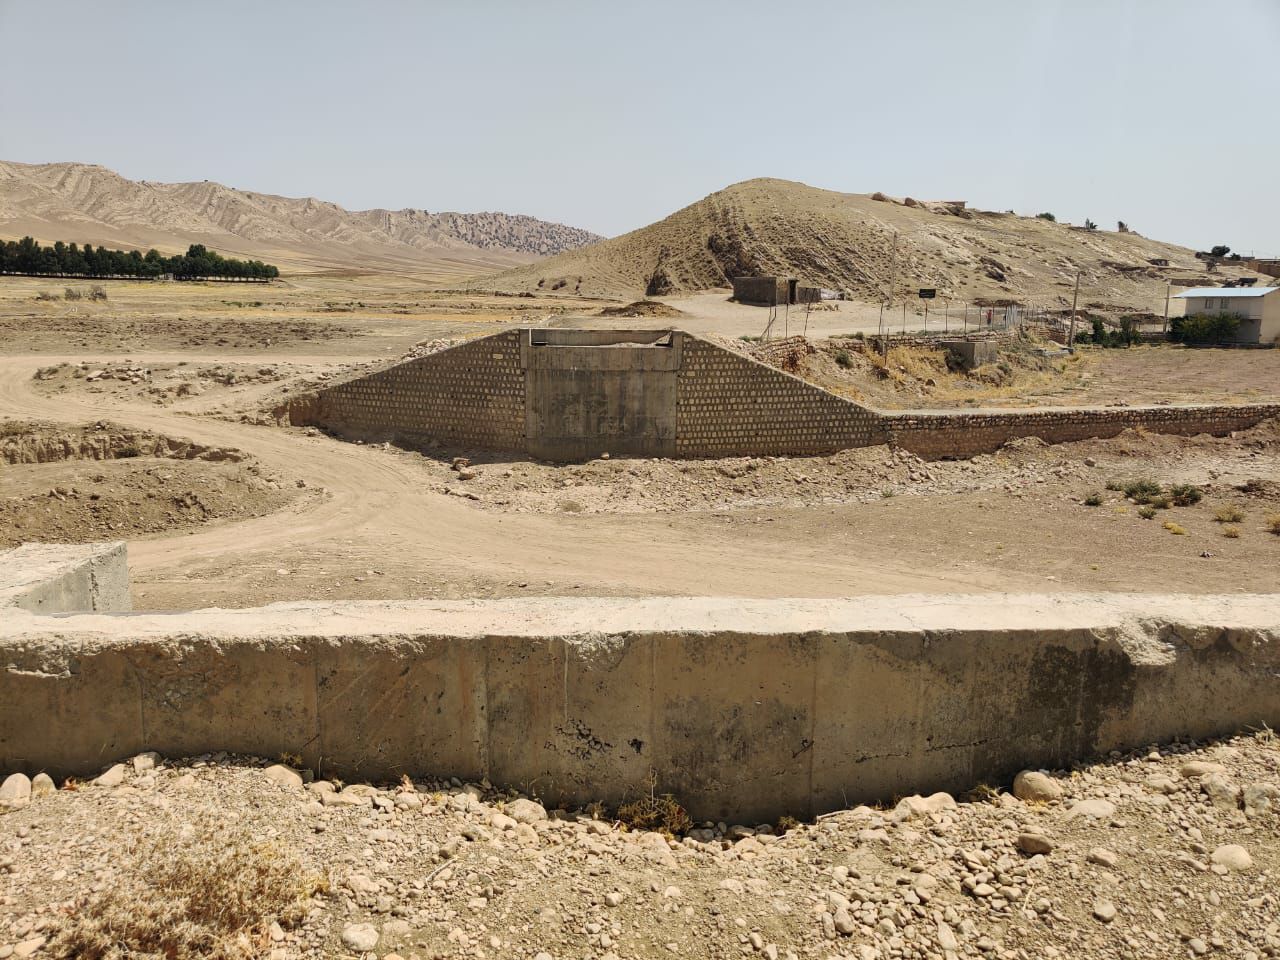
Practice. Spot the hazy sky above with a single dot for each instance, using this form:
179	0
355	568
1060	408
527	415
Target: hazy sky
609	115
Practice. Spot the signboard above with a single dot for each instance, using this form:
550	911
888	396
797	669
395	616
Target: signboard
928	293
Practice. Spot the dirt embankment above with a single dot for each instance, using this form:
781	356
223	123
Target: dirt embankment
1227	469
35	442
71	485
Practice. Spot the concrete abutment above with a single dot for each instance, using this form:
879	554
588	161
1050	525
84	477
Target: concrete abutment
744	709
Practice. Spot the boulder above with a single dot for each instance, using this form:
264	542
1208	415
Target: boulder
1033	786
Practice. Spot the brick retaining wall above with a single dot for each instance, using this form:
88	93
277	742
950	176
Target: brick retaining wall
731	405
469	395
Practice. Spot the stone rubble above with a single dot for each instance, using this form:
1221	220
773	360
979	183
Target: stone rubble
1135	855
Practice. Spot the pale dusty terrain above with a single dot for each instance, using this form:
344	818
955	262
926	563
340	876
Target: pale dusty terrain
383	523
846	241
440	869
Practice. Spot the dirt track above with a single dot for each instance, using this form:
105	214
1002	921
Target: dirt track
377	526
377	516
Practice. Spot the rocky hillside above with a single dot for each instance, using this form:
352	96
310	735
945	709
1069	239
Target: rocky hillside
847	241
88	203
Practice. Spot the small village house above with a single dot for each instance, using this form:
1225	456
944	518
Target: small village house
1257	307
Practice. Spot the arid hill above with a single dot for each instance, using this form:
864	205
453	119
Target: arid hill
82	203
846	241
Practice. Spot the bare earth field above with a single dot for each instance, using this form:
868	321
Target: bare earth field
384	523
147	417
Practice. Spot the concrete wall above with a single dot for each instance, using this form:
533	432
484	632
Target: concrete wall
972	353
589	392
937	434
65	578
763	291
745	709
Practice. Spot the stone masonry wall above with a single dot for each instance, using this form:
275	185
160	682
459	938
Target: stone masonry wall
730	405
934	436
474	395
471	395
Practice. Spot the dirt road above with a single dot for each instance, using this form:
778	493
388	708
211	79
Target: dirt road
370	517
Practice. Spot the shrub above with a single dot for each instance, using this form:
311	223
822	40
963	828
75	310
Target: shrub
46	295
1047	216
1142	491
1093	500
661	813
205	890
1089	224
1185	494
1146	513
99	292
843	359
71	293
128	451
1273	524
1231	532
1202	328
1161	502
1174	528
1229	514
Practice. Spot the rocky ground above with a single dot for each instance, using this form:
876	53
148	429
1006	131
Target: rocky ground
163	383
1029	467
36	332
1169	851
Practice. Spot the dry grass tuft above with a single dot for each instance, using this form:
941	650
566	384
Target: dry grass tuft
1273	524
1228	514
1174	528
1231	533
662	813
205	889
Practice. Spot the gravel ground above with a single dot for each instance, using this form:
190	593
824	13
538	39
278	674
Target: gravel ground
1169	851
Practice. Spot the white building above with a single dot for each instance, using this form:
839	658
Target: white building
1257	307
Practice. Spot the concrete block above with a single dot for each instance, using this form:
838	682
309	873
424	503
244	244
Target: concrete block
65	578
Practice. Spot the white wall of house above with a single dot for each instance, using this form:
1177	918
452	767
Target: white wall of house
1259	316
1270	332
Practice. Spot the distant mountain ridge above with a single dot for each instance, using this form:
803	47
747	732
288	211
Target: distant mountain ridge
79	202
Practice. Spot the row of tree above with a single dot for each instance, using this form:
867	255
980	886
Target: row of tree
68	260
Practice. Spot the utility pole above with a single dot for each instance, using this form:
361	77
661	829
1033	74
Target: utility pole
893	268
1167	287
1071	337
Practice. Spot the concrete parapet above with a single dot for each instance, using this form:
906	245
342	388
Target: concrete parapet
745	709
65	578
